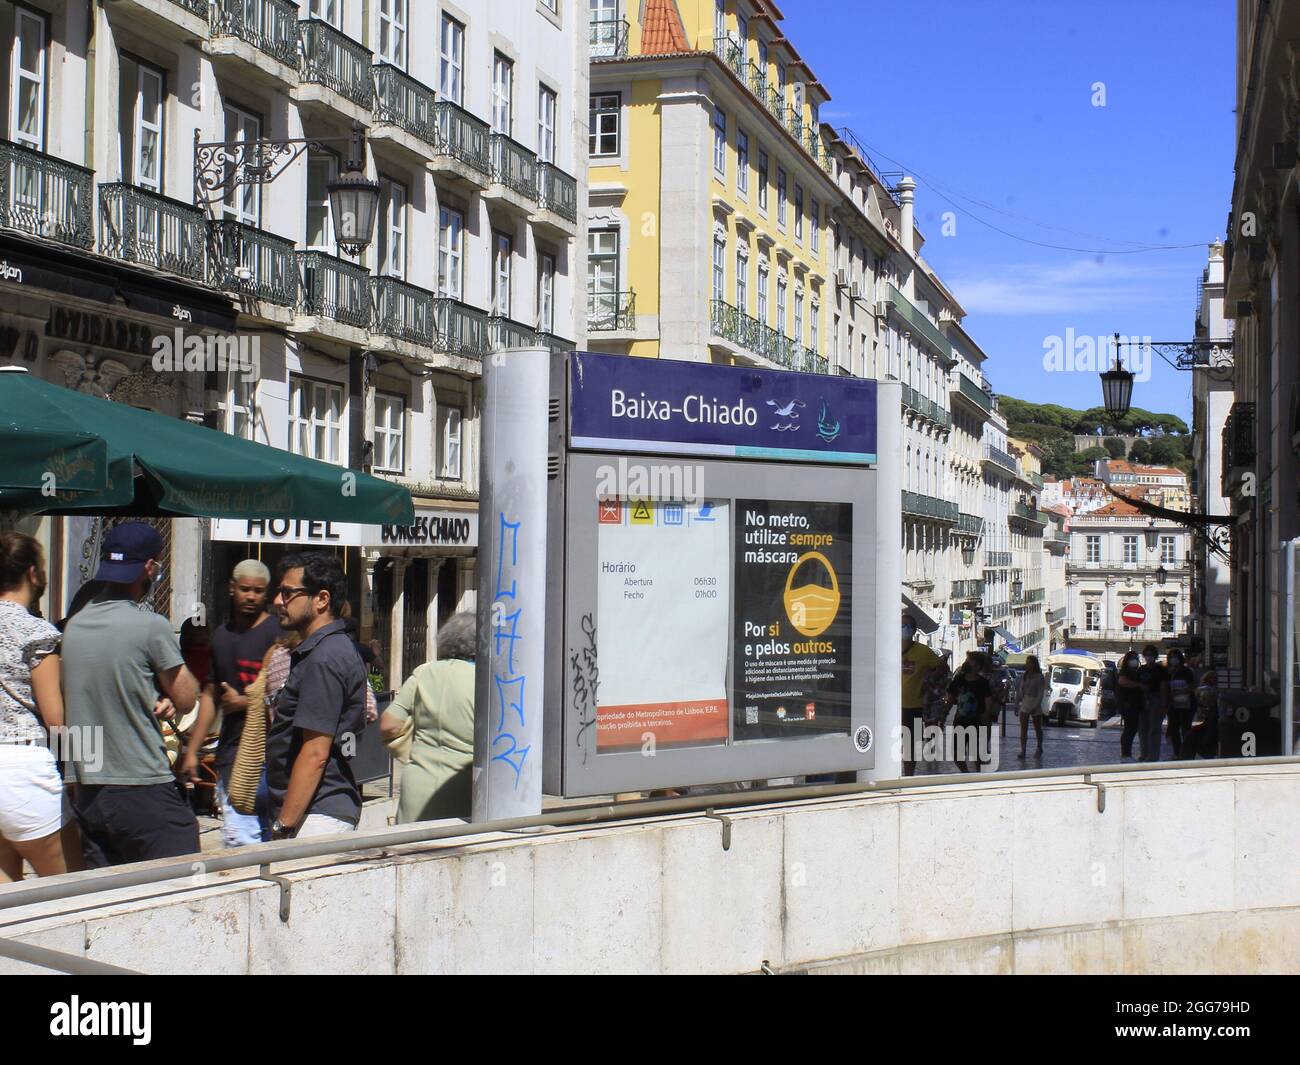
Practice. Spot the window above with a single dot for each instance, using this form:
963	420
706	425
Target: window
242	203
1168	551
1092	615
1130	549
502	258
835	339
742	283
814	338
392	32
720	142
141	112
322	168
315	419
762	58
503	82
1094	548
780	304
239	405
27	79
391	248
327	10
798	317
451	247
719	18
546	293
602	137
780	80
1167	615
719	251
780	196
390	444
762	180
762	295
742	162
546	108
798	212
742	31
815	220
451	61
448	458
602	278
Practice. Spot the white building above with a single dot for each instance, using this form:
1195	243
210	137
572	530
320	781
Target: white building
475	116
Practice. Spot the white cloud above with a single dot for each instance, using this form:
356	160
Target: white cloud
1079	286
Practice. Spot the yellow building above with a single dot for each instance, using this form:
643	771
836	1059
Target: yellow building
710	186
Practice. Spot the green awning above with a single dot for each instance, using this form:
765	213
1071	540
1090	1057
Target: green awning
164	467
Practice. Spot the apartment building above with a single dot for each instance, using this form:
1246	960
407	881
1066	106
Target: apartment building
1026	526
1118	556
1000	471
1163	486
169	163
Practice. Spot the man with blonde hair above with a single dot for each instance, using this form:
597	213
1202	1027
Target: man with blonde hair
238	648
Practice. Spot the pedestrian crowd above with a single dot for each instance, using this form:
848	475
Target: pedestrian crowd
106	719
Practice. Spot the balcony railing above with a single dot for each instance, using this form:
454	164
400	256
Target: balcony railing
763	340
513	165
506	333
926	408
757	81
968	388
268	25
999	611
335	60
732	54
969	524
557	191
611	312
402	311
1034	595
607	38
1030	639
558	344
330	287
403	102
462	136
194	7
967	589
138	226
997	559
1239	447
929	507
46	197
997	455
256	264
462	330
921	325
1053	616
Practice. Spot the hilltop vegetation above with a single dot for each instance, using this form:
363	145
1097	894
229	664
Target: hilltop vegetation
1166	439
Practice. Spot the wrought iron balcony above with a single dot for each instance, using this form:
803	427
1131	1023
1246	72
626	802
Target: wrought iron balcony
271	26
607	38
1053	616
969	524
1032	638
752	335
921	325
611	312
462	330
997	559
557	191
194	7
757	81
45	196
330	287
926	408
335	60
506	333
557	344
1034	595
513	165
775	101
732	54
929	507
402	311
138	226
970	390
794	122
1239	447
256	264
462	136
1001	458
967	589
403	102
999	611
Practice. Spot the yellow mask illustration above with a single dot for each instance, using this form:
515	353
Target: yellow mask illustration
812	607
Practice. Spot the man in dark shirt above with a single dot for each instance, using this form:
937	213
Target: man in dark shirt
238	648
1182	701
1154	679
972	695
320	711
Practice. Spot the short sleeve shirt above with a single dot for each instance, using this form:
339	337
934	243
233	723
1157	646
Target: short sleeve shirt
969	696
325	692
237	660
916	660
113	653
25	641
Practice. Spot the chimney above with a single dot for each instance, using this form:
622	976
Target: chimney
907	223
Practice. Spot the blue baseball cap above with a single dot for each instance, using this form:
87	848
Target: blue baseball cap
126	550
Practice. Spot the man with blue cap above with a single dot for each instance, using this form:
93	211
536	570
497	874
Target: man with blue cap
122	672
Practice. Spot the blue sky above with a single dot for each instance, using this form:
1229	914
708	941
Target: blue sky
993	101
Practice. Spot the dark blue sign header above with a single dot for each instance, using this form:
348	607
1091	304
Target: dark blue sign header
623	403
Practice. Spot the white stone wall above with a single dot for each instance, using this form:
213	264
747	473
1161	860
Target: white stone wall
1186	871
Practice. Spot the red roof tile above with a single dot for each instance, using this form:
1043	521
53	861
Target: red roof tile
662	29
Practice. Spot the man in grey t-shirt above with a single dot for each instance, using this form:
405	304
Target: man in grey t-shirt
122	671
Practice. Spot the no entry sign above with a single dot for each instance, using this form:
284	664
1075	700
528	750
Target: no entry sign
1133	615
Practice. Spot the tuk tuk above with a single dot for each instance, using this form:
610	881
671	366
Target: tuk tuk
1073	689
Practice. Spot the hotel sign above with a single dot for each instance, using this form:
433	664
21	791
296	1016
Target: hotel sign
431	528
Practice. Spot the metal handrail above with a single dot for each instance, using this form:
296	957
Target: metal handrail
333	59
262	855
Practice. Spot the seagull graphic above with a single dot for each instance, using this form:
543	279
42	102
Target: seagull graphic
786	411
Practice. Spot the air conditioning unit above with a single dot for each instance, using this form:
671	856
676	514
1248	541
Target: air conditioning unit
855	291
841	279
882	308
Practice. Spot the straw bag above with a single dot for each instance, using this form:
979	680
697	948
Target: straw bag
251	756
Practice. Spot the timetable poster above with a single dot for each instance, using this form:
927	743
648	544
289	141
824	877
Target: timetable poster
662	606
793	632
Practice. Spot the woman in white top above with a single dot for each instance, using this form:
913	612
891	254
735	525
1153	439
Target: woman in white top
31	703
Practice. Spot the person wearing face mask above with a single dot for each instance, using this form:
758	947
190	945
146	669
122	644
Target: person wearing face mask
116	659
919	663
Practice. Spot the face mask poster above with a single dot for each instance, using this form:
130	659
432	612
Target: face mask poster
718	529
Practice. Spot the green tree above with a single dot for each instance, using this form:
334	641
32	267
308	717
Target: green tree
1114	447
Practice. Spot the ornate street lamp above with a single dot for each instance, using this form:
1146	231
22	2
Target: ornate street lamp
1162	575
1117	386
354	199
1151	535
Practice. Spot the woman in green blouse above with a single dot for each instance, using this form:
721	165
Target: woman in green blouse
438	700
